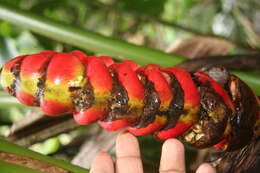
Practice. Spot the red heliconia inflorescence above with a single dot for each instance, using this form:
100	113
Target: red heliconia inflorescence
169	102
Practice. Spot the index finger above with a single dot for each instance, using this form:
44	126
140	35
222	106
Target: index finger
172	158
128	154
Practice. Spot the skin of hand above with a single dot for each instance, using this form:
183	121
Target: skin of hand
128	159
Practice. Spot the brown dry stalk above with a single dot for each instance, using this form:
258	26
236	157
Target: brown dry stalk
31	163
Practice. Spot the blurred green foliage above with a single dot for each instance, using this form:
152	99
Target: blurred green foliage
152	7
122	19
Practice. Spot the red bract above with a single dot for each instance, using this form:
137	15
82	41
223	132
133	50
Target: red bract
204	78
165	95
29	76
9	75
113	125
169	102
64	71
129	80
191	104
102	86
20	79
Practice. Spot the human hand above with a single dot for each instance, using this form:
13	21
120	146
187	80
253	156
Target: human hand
128	158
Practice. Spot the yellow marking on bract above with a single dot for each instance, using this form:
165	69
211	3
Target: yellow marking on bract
135	103
59	93
192	115
164	106
100	96
211	114
101	99
6	78
161	119
29	84
228	128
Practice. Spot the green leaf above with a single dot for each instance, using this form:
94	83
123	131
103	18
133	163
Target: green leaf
152	7
12	2
5	29
189	3
40	6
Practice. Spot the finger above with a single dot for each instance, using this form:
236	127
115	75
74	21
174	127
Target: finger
172	158
205	168
102	163
128	154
